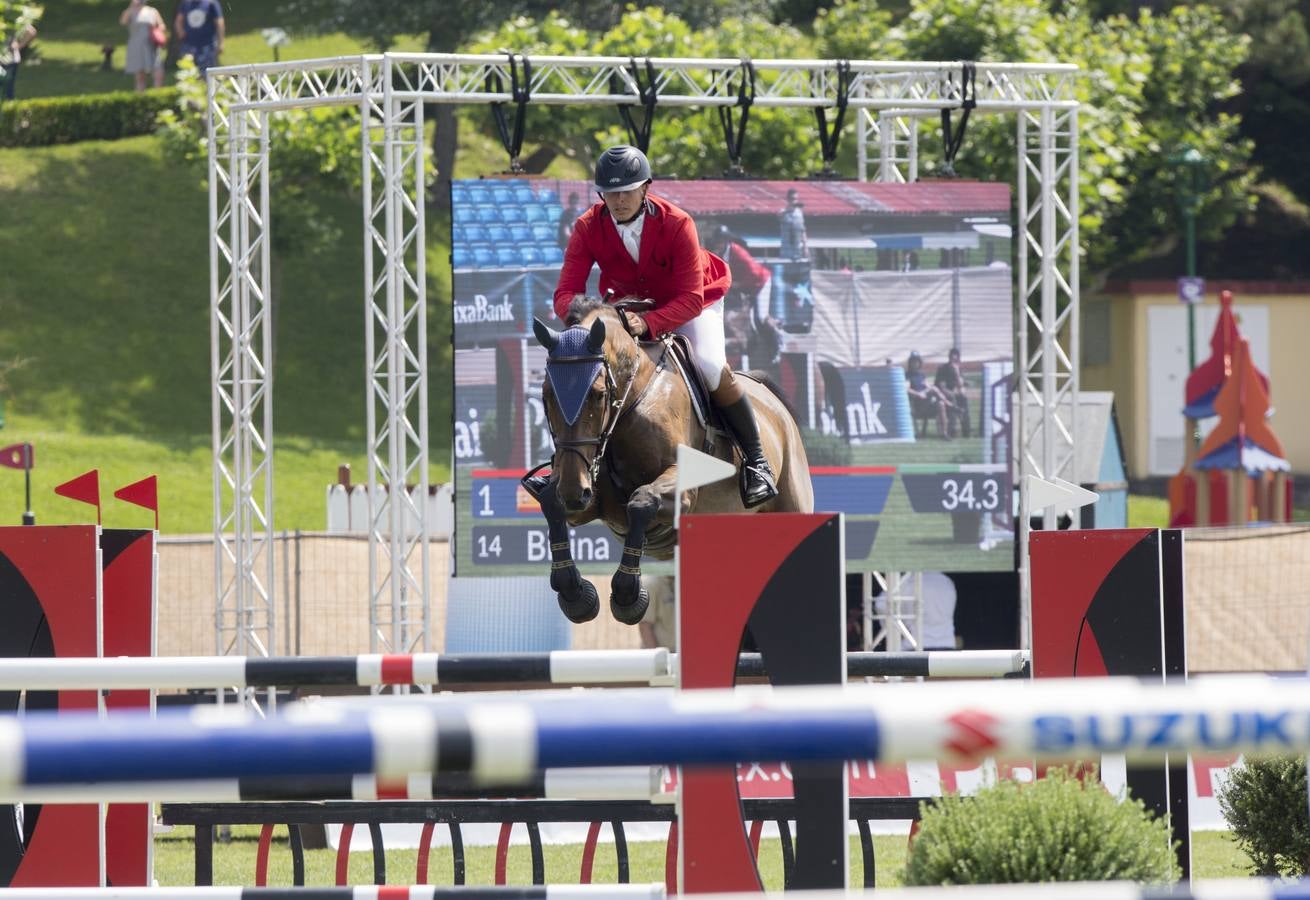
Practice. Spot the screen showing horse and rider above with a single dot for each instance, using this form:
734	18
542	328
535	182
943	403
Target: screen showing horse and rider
878	317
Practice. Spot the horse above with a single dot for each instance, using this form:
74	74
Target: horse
617	414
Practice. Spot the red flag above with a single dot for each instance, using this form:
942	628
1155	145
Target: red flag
142	493
17	456
84	489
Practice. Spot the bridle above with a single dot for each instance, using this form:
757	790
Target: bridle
613	411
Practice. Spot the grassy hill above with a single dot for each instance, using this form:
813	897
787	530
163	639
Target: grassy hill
104	305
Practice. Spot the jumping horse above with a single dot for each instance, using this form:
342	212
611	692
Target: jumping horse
617	410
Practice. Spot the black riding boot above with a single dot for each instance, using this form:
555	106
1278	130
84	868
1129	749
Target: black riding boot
757	483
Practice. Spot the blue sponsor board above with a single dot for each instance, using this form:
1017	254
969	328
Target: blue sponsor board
854	493
868	404
500	497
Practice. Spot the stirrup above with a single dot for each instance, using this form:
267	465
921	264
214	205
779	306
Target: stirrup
757	483
536	484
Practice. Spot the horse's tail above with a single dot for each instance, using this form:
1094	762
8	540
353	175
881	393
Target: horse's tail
763	378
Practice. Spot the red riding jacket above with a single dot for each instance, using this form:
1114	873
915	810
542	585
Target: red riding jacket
673	269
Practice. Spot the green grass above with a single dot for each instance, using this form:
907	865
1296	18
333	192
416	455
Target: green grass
69	59
234	863
1147	512
1214	855
106	303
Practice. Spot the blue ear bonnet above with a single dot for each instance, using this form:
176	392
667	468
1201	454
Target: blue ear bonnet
570	377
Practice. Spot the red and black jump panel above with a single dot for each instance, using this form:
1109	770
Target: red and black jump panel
50	607
1110	602
781	576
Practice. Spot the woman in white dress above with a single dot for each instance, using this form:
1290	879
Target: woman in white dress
143	54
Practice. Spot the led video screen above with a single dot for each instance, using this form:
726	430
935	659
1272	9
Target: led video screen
883	311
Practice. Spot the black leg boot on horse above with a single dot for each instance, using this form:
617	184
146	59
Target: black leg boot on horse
577	597
757	480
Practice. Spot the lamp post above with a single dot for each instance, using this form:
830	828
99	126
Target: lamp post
1191	185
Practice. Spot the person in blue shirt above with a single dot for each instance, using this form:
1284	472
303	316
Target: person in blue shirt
200	30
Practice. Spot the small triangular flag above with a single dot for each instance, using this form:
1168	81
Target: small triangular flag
17	456
84	488
1056	492
142	493
696	469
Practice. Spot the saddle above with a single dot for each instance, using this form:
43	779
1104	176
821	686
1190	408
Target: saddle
675	350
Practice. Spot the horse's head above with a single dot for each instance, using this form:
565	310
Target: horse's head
589	369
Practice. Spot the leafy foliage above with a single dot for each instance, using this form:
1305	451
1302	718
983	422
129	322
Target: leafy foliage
1147	86
1059	828
1264	801
16	16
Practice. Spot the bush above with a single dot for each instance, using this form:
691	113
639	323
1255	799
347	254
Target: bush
1264	802
1058	828
89	117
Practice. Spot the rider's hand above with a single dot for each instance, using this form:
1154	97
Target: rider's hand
636	324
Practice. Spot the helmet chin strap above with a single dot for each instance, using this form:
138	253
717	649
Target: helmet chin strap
632	218
641	207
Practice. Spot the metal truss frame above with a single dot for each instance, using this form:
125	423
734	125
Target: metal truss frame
390	92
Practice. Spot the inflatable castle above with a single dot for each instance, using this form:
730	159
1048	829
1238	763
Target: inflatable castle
1239	474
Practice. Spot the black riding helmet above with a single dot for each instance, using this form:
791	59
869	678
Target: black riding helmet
622	168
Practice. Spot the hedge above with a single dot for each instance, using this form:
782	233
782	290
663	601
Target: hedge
88	117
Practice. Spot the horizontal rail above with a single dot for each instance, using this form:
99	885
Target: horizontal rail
627	783
477	812
435	669
1219	889
506	740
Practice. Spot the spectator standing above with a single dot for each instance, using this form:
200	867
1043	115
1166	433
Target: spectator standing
567	217
794	242
11	57
143	23
201	30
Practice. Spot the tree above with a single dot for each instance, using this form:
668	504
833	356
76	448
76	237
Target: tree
684	142
1148	85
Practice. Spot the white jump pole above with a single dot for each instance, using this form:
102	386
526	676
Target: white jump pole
508	741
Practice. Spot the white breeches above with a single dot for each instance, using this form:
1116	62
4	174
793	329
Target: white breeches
705	332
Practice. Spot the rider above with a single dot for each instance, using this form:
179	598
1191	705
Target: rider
647	247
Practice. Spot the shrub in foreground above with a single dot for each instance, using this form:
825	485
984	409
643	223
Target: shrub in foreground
1059	828
1264	802
87	117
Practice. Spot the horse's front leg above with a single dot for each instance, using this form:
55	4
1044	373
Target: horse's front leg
577	597
648	503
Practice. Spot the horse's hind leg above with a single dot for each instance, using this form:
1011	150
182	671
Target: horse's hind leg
628	601
577	597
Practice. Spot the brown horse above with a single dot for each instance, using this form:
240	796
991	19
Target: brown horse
618	411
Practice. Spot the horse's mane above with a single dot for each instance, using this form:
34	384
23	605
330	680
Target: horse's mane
579	307
625	363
